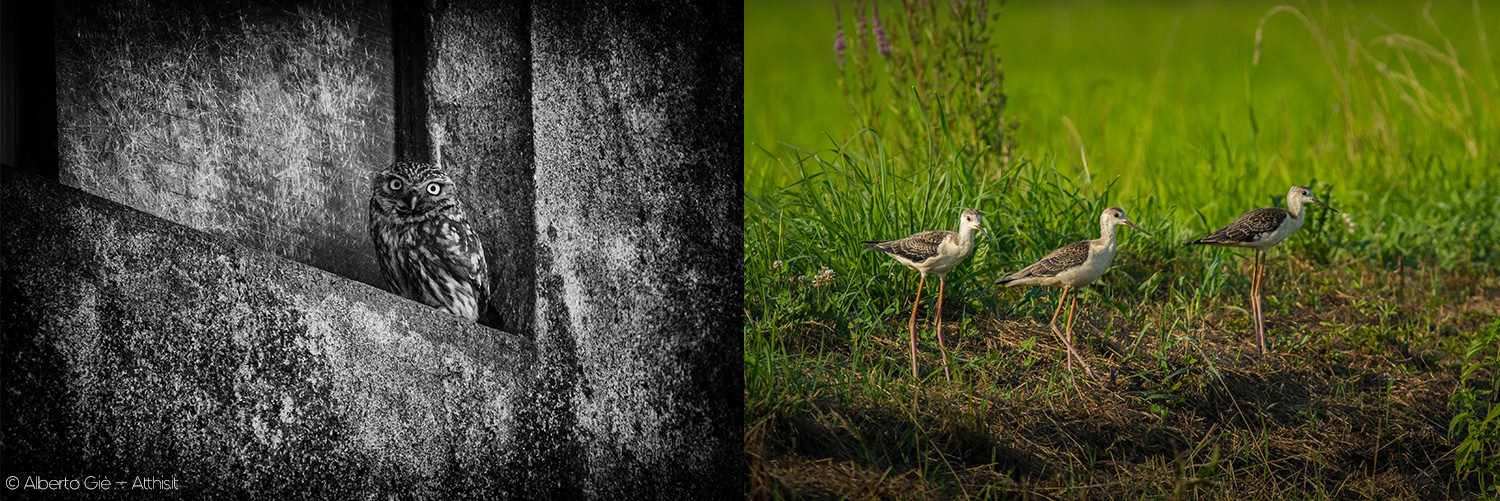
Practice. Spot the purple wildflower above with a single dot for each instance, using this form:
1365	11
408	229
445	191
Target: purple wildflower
838	41
881	42
859	21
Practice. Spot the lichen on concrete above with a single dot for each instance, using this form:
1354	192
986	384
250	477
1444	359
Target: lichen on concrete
250	120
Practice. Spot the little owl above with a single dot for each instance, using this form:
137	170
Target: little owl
426	248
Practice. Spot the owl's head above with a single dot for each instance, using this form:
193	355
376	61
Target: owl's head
413	188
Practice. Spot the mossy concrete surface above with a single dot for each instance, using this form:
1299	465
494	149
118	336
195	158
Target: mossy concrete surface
638	222
134	347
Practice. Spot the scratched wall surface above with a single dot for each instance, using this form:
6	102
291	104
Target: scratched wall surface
137	347
262	121
636	107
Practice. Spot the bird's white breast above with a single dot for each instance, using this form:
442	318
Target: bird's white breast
1288	226
1100	255
949	255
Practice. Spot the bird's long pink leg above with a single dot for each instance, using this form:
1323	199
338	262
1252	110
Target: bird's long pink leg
913	326
941	282
1070	338
1254	303
1260	316
1053	325
1255	298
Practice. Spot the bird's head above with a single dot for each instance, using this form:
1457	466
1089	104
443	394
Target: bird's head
1116	216
1299	195
972	220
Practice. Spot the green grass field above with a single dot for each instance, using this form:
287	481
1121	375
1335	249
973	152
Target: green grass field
1384	325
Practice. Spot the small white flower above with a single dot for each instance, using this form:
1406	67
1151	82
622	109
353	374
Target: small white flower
776	264
824	277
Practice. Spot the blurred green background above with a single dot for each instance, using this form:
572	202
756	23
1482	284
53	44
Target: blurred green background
1164	95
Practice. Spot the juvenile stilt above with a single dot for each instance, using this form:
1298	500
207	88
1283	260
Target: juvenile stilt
933	252
1072	266
1262	229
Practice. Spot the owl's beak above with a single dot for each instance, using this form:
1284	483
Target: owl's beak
411	204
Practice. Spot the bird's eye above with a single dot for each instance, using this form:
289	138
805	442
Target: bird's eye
393	185
434	188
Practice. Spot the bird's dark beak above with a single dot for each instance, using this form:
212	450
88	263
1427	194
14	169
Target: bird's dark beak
1137	228
1325	206
411	204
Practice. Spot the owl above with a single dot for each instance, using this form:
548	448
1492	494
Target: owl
426	248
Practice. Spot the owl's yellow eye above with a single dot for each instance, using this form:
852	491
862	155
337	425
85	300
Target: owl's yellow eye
393	185
434	188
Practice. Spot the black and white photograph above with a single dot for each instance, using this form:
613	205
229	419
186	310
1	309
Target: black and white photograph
371	249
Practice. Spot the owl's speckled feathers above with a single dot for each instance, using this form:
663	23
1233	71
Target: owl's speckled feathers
427	250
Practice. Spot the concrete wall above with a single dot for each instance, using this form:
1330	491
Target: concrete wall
137	347
611	171
261	121
264	121
639	274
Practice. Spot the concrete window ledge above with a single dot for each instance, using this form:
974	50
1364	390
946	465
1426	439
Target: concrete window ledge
137	348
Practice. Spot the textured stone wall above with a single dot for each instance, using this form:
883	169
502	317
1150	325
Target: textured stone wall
608	173
134	347
638	220
263	121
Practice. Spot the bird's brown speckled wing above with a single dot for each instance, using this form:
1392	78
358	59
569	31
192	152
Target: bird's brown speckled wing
1065	257
1248	228
916	248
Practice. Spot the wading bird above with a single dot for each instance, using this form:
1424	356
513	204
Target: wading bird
1072	266
1261	229
936	252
